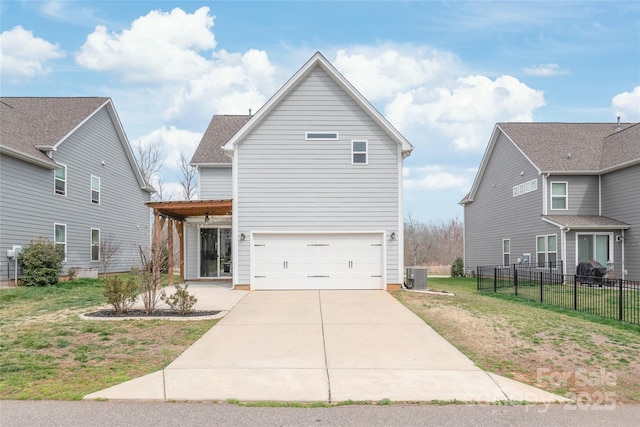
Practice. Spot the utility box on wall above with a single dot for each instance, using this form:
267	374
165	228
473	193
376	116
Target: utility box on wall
416	278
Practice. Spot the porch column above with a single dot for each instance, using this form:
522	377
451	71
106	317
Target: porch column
170	255
158	224
180	231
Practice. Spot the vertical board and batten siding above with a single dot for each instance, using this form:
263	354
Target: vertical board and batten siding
621	201
34	207
583	195
214	182
286	183
192	235
495	214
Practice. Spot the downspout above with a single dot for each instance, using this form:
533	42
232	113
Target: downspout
600	195
622	257
564	248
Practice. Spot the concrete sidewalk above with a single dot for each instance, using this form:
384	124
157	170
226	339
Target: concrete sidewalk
326	346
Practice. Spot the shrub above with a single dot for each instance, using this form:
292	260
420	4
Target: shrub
121	295
457	269
180	301
41	263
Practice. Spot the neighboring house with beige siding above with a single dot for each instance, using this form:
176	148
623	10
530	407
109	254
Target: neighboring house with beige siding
315	181
67	173
557	192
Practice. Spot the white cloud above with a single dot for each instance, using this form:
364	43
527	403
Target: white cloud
627	105
545	70
438	177
173	142
466	110
159	47
381	72
235	83
23	55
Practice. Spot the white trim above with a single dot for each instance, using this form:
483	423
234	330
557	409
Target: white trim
91	244
566	196
545	202
235	235
66	243
318	132
400	231
365	152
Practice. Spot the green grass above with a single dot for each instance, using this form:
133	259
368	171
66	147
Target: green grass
48	352
524	340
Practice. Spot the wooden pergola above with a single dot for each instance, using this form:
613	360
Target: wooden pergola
175	213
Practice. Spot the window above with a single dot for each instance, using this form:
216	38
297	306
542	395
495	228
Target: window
60	180
559	195
95	244
333	136
60	237
525	187
95	190
547	249
359	152
506	243
595	246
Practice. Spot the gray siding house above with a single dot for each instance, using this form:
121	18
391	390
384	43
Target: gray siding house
67	173
557	192
315	179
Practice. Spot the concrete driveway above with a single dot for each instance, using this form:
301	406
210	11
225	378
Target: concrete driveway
324	346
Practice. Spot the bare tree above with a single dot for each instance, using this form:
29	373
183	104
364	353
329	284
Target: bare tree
150	159
433	243
187	178
109	248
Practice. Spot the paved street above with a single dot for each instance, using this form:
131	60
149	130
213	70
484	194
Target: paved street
115	414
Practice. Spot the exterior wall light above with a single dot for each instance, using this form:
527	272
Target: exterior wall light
393	236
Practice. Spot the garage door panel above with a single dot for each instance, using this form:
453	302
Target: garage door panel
309	261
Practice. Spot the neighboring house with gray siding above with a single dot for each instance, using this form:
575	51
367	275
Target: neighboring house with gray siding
315	179
557	192
67	173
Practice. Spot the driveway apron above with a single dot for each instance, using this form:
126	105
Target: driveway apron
323	346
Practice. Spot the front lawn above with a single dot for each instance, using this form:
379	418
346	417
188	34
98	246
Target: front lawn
582	357
48	352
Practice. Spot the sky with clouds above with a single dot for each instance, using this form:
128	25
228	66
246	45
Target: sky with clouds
443	73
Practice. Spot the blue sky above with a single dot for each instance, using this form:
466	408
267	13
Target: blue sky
443	73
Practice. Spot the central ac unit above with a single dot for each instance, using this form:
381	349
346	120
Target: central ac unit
416	278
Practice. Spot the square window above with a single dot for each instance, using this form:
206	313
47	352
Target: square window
359	152
559	195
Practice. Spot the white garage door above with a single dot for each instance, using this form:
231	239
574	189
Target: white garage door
317	261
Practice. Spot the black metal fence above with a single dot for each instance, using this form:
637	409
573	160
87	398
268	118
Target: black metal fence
611	298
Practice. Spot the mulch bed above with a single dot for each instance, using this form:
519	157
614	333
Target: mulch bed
157	313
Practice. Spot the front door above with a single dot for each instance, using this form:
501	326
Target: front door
208	252
215	252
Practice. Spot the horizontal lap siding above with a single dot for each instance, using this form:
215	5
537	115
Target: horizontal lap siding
30	208
621	201
583	195
286	183
215	183
495	214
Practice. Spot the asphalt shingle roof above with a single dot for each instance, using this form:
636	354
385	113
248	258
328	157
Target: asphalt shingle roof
220	130
575	147
30	122
585	221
